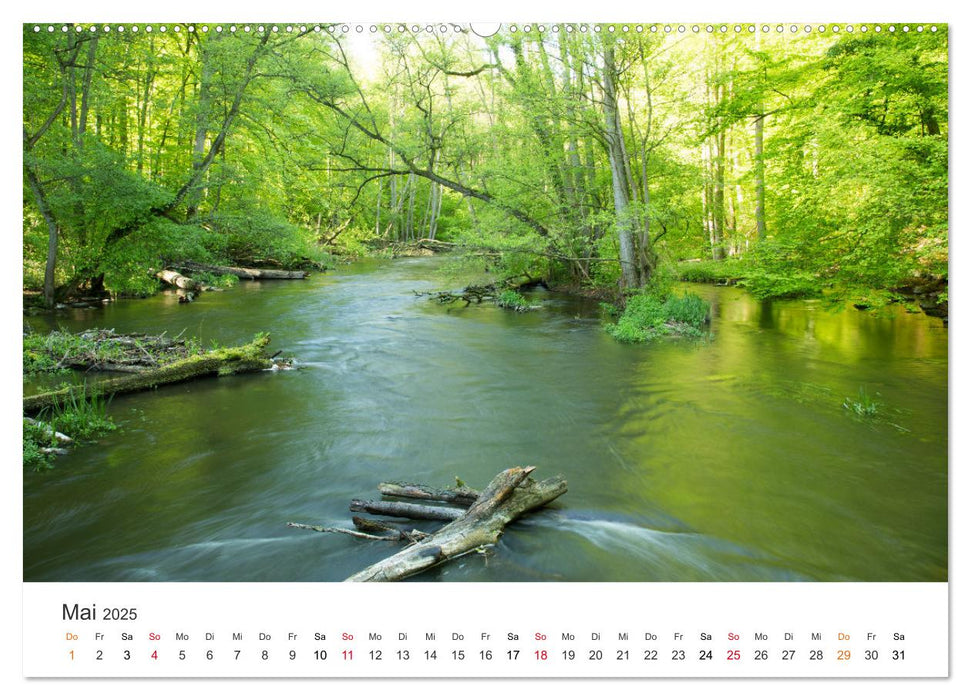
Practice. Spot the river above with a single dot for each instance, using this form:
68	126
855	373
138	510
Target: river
724	459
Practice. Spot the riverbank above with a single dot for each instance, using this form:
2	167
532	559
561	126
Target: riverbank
926	293
686	461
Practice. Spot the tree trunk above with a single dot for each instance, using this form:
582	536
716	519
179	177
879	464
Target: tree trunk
508	496
176	280
461	495
618	174
718	197
406	510
197	173
202	124
86	89
143	112
53	232
759	179
246	273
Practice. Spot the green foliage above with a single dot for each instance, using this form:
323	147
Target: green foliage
722	271
51	352
649	315
34	439
44	353
781	284
80	416
866	298
249	233
780	272
687	309
513	300
508	161
33	458
609	310
864	405
211	279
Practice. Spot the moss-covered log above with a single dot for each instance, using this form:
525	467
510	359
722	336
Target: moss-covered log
245	358
507	497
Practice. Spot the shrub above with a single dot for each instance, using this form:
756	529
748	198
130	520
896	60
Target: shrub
80	417
649	315
511	299
728	270
689	309
34	439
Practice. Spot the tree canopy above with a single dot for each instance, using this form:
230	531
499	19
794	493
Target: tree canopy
592	154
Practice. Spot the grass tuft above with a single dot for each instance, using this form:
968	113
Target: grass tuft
864	405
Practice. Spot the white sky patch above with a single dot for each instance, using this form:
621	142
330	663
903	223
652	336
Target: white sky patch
363	51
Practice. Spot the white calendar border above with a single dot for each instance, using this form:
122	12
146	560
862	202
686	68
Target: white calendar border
817	10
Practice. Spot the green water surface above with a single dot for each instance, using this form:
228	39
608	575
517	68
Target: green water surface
726	459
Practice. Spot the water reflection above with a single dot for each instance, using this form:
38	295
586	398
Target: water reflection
728	458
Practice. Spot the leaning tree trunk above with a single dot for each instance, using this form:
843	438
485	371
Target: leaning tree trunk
53	232
507	497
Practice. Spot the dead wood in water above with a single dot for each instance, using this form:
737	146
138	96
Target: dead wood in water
100	349
406	510
508	496
245	358
180	281
388	528
245	273
48	431
477	293
461	495
345	531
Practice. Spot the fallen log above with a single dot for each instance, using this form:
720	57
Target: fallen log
245	358
246	273
435	246
461	495
406	510
176	280
508	496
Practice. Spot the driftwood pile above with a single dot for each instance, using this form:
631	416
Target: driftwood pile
473	294
178	364
102	349
477	293
475	520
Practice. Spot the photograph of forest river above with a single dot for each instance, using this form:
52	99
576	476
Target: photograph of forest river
701	277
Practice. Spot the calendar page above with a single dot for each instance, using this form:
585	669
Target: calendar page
392	343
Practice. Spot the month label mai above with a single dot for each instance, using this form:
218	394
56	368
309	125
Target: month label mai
623	630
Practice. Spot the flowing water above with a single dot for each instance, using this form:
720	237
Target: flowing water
729	458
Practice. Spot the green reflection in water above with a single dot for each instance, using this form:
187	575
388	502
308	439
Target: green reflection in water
728	458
